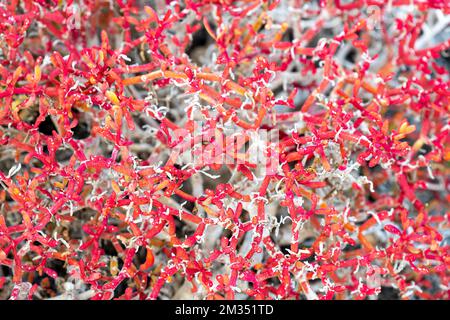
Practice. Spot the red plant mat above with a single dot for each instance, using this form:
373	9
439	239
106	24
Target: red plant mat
224	149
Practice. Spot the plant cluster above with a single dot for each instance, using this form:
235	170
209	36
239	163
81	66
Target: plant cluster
103	105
